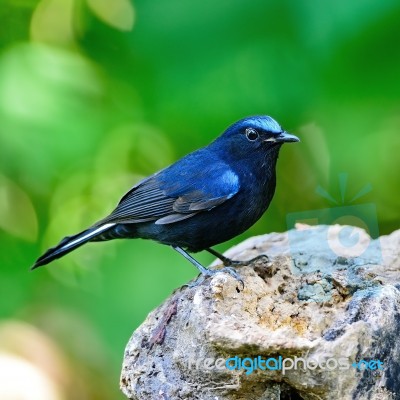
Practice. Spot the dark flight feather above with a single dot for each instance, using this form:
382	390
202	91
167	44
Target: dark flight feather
157	198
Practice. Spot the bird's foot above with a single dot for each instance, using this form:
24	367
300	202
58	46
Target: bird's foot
229	270
235	263
206	272
228	262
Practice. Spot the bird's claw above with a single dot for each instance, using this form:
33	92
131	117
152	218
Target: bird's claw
231	271
227	262
197	282
259	258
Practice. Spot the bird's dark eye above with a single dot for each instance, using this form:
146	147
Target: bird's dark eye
251	134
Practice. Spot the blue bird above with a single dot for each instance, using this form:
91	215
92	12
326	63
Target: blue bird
205	198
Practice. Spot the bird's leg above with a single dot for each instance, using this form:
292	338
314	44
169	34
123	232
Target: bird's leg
227	261
202	270
205	272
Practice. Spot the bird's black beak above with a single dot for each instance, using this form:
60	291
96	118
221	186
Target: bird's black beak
282	138
286	137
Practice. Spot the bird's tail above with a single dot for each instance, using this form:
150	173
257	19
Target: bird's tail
70	243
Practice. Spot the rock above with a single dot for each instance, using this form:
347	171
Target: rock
323	316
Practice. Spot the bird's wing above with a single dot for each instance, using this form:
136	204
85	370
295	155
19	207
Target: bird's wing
177	193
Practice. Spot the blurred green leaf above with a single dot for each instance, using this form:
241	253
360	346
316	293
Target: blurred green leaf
118	13
52	22
17	214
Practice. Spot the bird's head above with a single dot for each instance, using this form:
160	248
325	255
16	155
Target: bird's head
258	134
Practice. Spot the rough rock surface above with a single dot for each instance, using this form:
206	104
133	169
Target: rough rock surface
334	305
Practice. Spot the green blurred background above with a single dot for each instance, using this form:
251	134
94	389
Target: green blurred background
96	94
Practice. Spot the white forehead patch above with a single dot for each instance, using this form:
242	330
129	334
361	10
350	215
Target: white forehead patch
265	123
